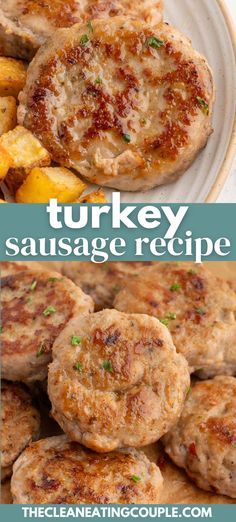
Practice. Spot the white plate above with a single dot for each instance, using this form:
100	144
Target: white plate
207	23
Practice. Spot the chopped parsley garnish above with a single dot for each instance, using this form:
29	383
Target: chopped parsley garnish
191	271
200	311
175	287
41	351
164	321
84	40
203	104
116	288
33	286
54	279
106	365
171	315
135	478
78	367
1	329
49	310
98	80
75	340
154	42
89	26
189	390
127	138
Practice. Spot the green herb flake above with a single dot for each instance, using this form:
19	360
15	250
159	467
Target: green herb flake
33	286
78	367
165	322
175	287
49	310
200	311
116	288
98	80
127	138
84	40
106	365
191	271
188	391
171	315
135	478
154	42
41	351
89	26
203	104
76	340
1	329
54	279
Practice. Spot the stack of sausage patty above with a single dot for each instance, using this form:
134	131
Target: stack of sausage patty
142	390
112	92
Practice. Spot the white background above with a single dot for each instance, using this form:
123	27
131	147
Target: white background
228	194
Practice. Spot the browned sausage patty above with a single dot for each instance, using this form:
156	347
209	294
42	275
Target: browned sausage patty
26	24
116	380
20	423
36	306
198	308
203	442
57	471
101	281
178	488
126	104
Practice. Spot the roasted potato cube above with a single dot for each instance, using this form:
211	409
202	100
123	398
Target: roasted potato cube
2	201
26	152
53	182
7	114
94	197
12	76
5	163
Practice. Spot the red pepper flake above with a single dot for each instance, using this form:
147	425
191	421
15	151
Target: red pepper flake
192	449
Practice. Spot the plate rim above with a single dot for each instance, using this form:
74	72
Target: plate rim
224	171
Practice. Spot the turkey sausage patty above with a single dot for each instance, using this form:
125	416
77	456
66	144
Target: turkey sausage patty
20	423
126	104
198	308
36	305
26	24
116	380
204	439
57	471
101	281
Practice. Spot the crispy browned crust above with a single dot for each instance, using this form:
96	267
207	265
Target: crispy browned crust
164	141
129	387
28	332
57	471
20	422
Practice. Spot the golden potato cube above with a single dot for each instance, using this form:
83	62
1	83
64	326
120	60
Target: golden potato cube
5	163
7	114
12	76
53	182
2	201
94	197
26	152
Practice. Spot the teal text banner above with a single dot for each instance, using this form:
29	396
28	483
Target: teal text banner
119	232
147	513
